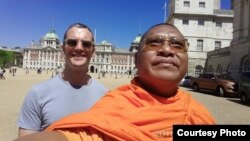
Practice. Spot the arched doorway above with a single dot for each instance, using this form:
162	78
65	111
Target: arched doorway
92	69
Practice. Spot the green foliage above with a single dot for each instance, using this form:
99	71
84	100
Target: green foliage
6	58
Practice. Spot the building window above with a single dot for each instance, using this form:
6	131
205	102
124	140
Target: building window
198	70
186	3
200	22
202	4
217	44
218	24
185	22
199	45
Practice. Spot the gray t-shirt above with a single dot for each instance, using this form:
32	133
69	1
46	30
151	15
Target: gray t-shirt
55	98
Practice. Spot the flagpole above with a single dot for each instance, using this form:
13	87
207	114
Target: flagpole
140	26
95	35
165	11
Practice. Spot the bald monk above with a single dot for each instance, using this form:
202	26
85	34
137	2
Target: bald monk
148	107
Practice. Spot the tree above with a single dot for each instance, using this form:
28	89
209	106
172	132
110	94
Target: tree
6	58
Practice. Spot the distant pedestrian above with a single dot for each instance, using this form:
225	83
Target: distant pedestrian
26	70
39	70
2	71
13	71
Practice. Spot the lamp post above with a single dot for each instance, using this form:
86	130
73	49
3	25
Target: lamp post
99	71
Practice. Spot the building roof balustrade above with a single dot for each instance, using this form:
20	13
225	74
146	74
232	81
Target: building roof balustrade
224	12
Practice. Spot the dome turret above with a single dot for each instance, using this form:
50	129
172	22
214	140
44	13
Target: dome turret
51	35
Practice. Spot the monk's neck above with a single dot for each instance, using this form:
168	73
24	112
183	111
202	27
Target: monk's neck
160	89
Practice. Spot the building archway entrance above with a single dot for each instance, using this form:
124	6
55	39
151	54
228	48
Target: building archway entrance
92	69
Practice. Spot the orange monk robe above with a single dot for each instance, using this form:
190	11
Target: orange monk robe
130	113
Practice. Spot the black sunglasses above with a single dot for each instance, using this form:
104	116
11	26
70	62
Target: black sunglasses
73	43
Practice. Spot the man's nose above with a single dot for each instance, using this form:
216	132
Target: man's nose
166	49
79	45
166	46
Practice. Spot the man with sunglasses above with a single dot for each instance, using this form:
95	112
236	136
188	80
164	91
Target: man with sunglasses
69	92
148	107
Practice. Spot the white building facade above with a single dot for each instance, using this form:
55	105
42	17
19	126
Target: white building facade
109	59
48	55
204	25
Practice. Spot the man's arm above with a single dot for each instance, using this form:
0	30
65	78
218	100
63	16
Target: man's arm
29	117
24	132
43	136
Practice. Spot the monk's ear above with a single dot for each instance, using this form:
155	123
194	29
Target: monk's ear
136	58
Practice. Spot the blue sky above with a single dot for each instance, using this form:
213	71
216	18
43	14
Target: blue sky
116	21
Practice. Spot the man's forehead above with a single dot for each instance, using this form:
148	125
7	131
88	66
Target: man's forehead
164	34
79	31
163	28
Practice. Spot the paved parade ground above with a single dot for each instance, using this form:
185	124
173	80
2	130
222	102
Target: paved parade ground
14	88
